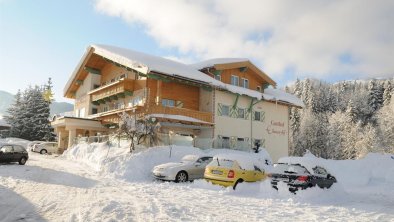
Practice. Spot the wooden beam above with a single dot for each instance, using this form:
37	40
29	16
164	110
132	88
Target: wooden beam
79	82
243	69
92	70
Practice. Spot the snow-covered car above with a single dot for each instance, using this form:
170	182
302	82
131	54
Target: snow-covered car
297	177
190	168
230	170
30	145
13	153
46	147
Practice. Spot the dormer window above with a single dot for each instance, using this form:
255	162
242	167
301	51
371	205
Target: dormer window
234	80
218	77
245	83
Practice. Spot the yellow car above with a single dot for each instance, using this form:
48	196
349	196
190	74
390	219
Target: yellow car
228	172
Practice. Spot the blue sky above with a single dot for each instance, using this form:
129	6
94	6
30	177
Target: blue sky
288	40
42	39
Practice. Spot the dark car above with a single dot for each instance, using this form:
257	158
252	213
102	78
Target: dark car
298	177
13	153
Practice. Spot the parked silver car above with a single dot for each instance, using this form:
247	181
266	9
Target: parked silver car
30	145
190	168
46	147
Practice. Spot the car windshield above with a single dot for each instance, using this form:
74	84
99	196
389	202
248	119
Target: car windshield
189	158
289	169
222	163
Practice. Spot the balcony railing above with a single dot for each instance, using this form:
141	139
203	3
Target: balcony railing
159	109
116	89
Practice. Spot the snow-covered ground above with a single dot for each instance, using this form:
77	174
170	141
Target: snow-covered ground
97	183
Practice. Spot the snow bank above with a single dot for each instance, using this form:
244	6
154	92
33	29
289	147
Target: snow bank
353	173
137	166
16	141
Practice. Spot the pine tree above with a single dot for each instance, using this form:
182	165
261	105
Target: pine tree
388	92
14	116
375	99
29	116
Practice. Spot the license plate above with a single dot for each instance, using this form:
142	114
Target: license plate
217	172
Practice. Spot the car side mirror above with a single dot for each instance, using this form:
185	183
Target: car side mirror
197	164
328	176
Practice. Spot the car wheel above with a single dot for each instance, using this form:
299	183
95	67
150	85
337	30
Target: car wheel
43	151
236	183
22	161
181	177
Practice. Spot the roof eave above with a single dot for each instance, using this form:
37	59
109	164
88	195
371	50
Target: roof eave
89	51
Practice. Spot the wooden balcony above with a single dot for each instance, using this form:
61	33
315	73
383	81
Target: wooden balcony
119	88
159	109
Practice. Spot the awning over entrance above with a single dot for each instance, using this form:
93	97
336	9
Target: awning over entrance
67	128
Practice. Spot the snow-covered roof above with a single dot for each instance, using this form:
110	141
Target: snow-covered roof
213	62
282	96
176	117
244	91
147	63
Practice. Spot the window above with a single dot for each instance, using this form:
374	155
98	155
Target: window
245	83
204	160
218	77
168	102
258	88
257	116
241	113
18	149
94	110
320	171
122	76
6	149
225	110
257	141
234	80
119	105
225	142
105	109
95	86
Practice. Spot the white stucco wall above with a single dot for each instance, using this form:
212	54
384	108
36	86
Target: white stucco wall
273	130
83	104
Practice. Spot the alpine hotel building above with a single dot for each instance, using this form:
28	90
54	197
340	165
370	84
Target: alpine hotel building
220	103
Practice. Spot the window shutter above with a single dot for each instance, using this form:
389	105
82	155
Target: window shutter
219	109
234	112
262	116
246	113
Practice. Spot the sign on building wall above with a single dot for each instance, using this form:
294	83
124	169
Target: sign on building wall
276	128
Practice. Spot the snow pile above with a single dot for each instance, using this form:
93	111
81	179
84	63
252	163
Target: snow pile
137	166
372	168
16	141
